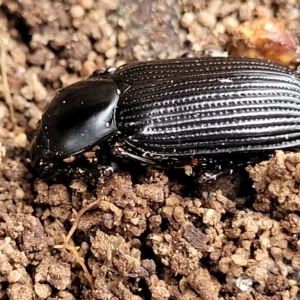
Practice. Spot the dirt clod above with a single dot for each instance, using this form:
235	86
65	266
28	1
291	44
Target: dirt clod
143	233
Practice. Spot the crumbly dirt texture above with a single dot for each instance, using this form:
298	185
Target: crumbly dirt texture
144	234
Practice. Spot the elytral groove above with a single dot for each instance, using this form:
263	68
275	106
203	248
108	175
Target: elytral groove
209	106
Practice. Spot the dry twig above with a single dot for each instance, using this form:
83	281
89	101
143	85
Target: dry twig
6	89
74	249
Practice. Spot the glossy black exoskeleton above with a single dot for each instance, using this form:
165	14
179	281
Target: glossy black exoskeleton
203	114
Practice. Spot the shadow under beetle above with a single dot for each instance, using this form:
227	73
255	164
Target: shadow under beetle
201	114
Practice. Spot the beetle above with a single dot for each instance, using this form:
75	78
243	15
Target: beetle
202	114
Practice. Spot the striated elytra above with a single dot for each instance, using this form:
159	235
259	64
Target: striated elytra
176	112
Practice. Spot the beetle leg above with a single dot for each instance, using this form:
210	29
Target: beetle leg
107	169
210	176
122	153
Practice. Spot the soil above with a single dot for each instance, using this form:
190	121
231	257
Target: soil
142	233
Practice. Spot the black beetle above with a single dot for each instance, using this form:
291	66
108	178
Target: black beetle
186	112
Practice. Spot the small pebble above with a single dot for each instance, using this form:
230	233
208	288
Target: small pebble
187	19
77	11
87	4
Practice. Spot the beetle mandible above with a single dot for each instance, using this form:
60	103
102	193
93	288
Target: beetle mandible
205	113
